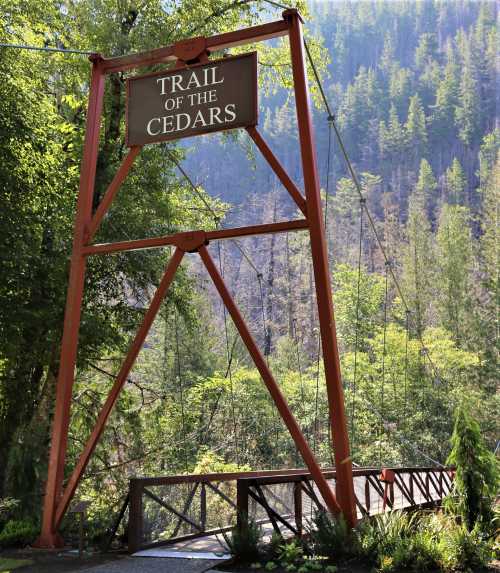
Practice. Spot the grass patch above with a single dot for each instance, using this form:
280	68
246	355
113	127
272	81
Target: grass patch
7	564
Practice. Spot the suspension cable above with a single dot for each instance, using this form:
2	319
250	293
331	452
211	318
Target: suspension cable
47	49
358	187
384	352
229	368
181	389
356	341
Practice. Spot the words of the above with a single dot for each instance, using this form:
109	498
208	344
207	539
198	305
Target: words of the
205	117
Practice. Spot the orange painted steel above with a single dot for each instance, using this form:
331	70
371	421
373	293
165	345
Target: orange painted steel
338	422
111	191
270	382
121	378
214	43
56	501
278	169
103	248
49	536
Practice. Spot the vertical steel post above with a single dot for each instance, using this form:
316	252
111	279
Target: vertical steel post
343	463
49	537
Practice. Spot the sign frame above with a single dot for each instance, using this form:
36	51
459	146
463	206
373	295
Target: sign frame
208	130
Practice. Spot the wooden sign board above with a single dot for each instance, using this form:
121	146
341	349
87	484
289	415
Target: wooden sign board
198	99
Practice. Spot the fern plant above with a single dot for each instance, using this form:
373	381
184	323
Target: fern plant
244	542
332	537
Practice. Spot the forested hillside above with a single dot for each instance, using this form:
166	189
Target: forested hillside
414	89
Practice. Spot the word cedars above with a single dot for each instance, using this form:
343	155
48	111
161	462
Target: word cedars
202	98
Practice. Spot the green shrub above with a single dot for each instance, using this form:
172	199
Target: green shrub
290	553
332	537
418	553
463	550
244	543
18	533
380	535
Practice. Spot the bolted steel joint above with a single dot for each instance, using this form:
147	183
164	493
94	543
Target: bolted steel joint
191	241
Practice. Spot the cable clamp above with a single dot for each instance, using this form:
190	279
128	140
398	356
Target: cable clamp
331	118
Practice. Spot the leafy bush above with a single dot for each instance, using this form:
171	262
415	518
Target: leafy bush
8	508
18	533
417	553
422	542
244	542
290	553
379	536
461	550
332	537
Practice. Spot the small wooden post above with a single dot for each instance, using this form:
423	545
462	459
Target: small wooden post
297	500
203	507
79	509
135	518
242	504
367	495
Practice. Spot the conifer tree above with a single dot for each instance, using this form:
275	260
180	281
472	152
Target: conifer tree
454	268
477	475
456	184
426	184
488	327
416	130
418	260
468	111
447	93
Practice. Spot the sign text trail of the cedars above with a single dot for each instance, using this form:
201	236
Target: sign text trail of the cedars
219	95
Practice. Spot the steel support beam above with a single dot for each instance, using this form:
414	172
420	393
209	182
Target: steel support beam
270	382
139	244
49	536
278	169
343	463
214	43
121	378
111	191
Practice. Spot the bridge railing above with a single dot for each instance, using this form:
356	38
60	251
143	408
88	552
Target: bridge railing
166	510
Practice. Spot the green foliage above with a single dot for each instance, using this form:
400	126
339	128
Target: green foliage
290	553
381	535
477	474
8	564
331	537
8	507
463	550
244	543
18	533
421	542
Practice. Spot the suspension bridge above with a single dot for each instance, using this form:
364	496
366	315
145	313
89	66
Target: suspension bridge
175	510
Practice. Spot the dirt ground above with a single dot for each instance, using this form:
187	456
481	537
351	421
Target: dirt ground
52	562
65	562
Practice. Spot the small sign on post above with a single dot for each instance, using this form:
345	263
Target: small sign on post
202	98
